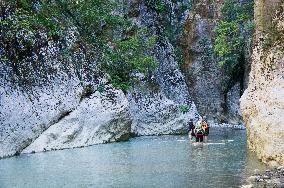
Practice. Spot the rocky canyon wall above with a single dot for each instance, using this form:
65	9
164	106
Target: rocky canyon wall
262	104
205	78
163	106
53	99
50	99
53	96
53	104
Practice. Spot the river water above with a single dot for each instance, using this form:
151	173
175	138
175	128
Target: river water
156	161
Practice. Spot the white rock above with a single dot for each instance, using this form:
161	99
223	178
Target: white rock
98	119
262	105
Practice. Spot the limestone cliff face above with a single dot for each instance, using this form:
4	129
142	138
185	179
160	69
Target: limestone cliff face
207	80
61	113
262	104
156	107
54	102
100	118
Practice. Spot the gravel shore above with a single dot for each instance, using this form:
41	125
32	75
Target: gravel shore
273	178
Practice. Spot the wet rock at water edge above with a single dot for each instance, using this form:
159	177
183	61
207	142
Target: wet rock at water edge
272	178
98	119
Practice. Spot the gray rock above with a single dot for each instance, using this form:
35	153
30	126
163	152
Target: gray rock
45	87
25	115
269	179
98	119
262	103
205	78
155	104
266	177
252	179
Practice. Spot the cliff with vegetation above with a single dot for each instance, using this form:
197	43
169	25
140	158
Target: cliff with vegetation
53	92
79	73
262	104
161	103
215	56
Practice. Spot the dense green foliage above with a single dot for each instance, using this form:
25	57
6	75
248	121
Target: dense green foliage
170	16
107	36
233	31
157	5
129	56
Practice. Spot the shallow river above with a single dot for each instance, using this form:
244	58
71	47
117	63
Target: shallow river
164	161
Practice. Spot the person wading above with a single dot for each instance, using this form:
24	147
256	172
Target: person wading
191	127
205	127
199	132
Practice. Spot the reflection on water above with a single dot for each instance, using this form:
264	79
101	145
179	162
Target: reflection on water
165	161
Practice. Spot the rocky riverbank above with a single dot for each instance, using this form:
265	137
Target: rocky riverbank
273	178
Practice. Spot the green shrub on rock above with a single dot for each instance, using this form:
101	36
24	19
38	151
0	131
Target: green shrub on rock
106	35
129	56
233	31
184	108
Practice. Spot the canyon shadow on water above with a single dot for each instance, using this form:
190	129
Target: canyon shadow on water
156	161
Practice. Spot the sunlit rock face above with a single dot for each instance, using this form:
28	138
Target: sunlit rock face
161	105
262	104
206	79
26	113
100	118
36	104
57	117
45	86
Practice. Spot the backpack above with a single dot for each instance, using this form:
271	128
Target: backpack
199	132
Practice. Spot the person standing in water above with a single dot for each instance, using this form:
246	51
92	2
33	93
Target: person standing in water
199	132
205	127
191	126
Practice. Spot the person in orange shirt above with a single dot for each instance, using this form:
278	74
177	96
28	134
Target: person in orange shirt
205	127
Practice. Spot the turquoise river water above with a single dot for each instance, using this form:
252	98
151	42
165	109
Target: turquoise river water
155	161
